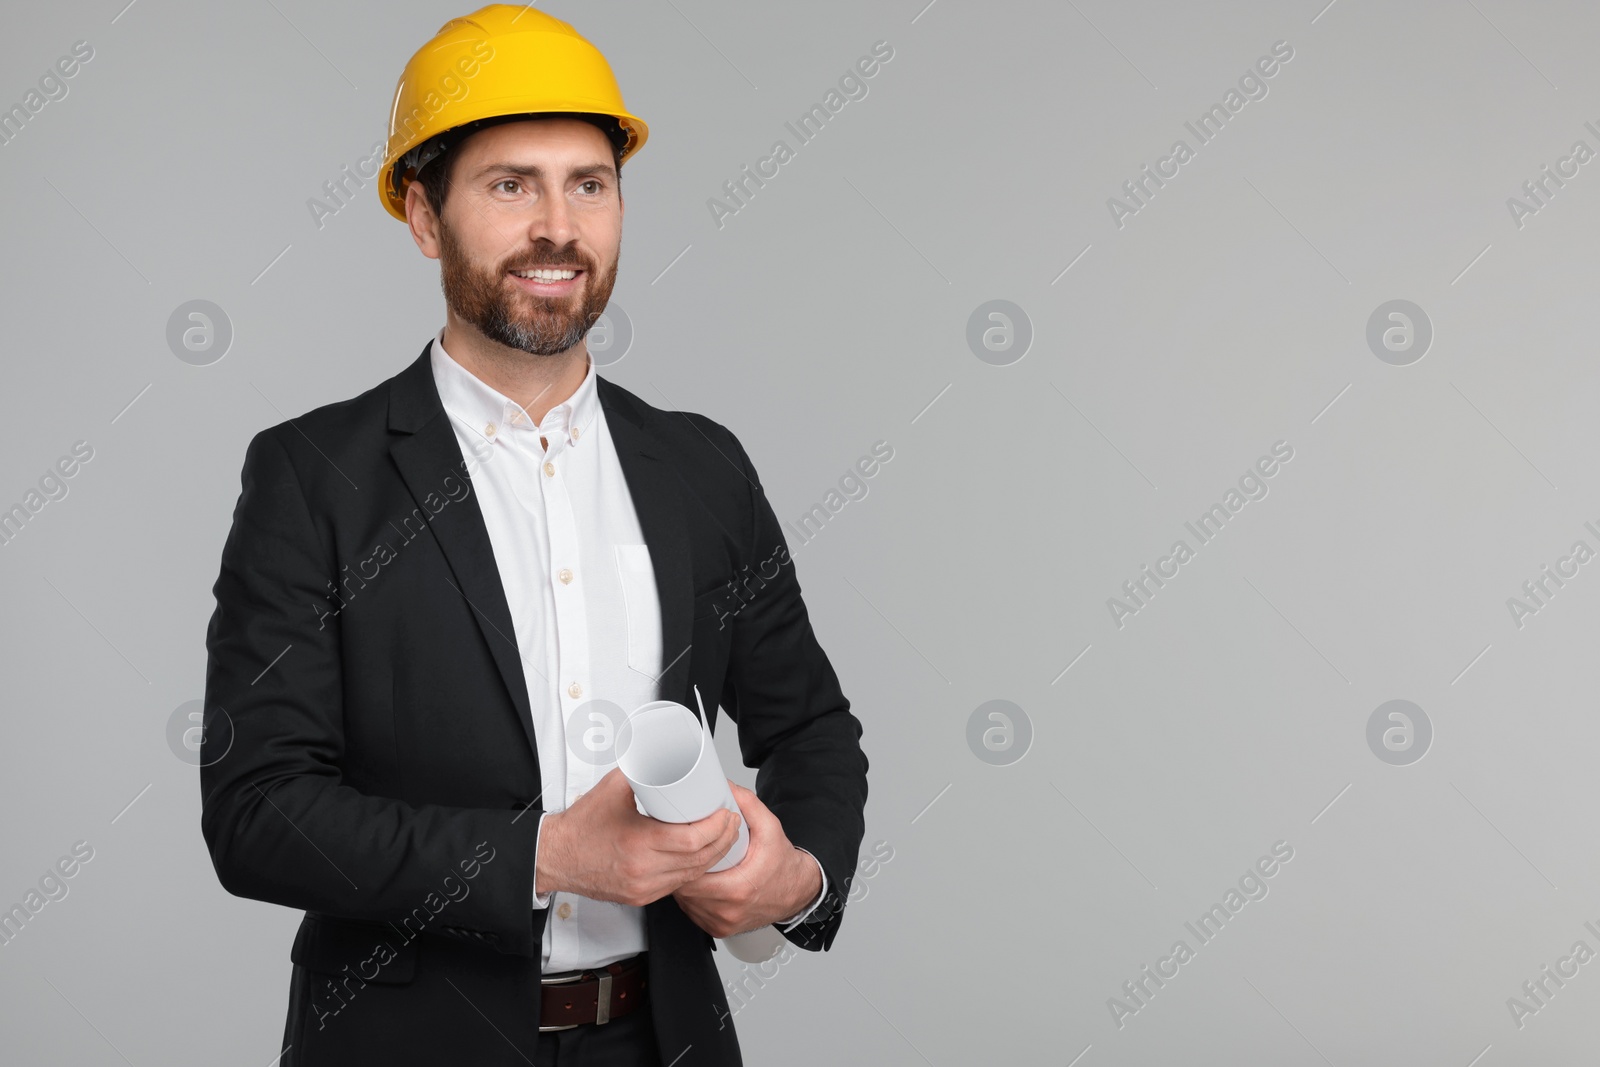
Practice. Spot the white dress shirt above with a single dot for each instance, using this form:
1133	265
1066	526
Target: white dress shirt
580	585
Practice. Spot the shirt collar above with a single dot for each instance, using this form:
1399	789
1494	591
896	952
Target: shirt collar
492	414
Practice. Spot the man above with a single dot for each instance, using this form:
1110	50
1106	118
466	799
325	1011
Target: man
439	600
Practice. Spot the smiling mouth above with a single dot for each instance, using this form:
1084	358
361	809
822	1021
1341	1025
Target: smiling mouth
549	274
548	281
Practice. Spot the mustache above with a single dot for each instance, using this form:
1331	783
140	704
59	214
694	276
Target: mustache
552	261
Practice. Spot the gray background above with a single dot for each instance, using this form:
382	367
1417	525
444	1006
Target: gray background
831	312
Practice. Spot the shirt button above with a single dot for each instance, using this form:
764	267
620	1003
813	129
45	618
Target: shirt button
574	433
489	430
575	690
565	574
549	469
565	910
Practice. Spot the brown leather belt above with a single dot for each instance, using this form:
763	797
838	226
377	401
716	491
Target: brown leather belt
572	998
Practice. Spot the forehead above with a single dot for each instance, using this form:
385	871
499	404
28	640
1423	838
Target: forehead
546	140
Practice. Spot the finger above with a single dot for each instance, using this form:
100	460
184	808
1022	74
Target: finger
616	794
606	790
743	797
713	852
764	825
750	805
688	838
615	784
720	848
715	849
731	834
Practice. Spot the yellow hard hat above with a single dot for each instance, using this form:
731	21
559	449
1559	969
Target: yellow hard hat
501	61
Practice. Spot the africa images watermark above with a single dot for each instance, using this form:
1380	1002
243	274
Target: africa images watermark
409	528
1538	991
52	86
1141	189
1252	886
852	85
852	485
366	169
1140	590
333	996
1541	189
52	887
452	87
1538	591
52	486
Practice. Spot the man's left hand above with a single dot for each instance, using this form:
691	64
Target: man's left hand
773	881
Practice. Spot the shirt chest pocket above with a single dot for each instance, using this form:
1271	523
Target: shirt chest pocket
643	608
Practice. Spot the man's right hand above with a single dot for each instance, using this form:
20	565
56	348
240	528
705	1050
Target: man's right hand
604	849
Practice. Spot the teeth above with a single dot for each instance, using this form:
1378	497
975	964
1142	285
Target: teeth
546	275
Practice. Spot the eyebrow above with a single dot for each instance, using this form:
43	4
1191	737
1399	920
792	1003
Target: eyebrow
529	170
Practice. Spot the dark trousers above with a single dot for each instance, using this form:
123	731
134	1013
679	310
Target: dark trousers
626	1042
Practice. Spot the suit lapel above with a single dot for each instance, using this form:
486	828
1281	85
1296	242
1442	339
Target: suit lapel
426	452
429	458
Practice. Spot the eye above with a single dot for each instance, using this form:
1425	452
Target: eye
508	181
594	182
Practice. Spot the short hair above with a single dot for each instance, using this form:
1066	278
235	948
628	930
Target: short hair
435	173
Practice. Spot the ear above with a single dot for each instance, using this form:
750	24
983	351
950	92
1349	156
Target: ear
424	224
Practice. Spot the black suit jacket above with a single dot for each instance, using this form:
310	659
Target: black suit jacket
369	752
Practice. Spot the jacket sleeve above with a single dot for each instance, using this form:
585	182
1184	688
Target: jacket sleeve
280	823
795	724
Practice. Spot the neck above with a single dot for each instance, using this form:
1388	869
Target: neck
537	383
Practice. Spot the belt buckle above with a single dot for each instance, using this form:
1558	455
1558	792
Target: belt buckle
543	981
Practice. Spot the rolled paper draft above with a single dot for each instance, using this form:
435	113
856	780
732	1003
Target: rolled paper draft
671	762
669	759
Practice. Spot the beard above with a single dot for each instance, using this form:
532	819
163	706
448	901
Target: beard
539	325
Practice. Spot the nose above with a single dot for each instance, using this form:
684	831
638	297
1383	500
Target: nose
552	220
